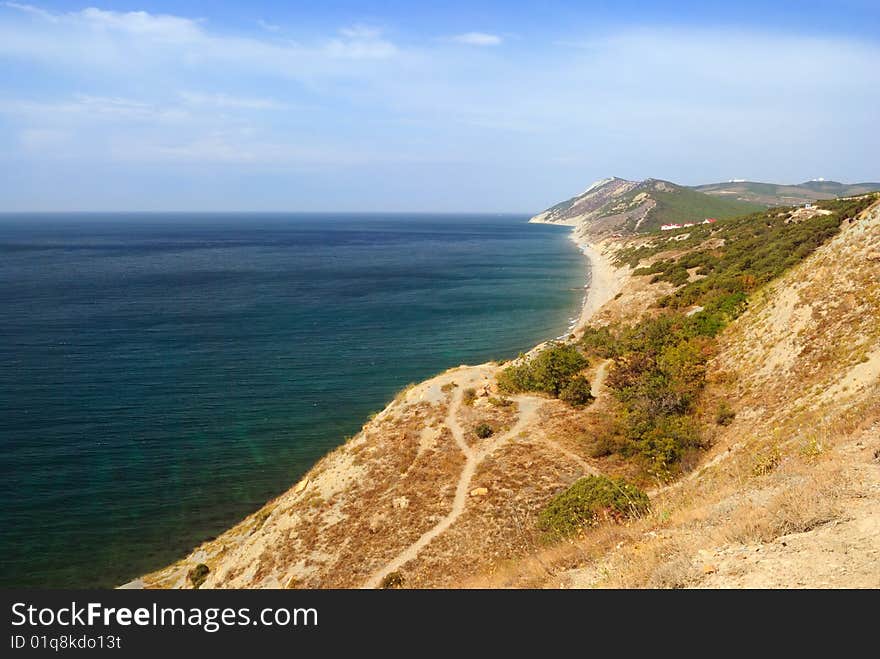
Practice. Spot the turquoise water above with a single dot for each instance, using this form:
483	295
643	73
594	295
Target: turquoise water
162	376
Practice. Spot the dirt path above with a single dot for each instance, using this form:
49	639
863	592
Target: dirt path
595	389
574	457
527	406
599	378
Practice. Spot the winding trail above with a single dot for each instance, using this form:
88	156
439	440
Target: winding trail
596	388
599	378
574	457
527	406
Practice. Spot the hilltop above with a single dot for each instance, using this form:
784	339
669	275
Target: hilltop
615	205
713	421
772	194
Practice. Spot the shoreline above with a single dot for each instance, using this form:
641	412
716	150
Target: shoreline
333	473
605	283
605	279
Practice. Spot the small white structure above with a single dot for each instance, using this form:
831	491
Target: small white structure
670	227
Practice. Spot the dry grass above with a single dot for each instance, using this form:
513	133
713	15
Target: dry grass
783	466
811	500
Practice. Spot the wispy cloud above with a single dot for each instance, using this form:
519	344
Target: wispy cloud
33	11
125	42
92	108
227	101
478	39
133	88
360	42
269	27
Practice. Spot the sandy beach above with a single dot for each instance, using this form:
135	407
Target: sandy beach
606	279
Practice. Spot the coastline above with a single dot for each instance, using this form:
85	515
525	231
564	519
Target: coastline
234	554
606	280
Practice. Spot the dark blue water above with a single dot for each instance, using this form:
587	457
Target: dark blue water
162	376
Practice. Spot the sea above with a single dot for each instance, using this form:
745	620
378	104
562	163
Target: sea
164	375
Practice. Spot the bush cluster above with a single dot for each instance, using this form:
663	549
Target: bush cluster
551	371
657	377
725	414
198	574
589	501
577	392
660	362
483	430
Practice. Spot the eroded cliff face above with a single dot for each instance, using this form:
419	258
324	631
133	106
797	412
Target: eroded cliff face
587	206
617	206
787	495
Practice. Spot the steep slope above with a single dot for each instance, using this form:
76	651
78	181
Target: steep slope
418	494
616	205
771	194
791	492
653	203
421	498
588	205
788	494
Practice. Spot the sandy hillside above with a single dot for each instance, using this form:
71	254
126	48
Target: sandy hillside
787	495
416	492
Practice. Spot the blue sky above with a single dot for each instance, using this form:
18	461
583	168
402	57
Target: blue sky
406	106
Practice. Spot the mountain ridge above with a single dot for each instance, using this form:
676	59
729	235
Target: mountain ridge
616	205
775	194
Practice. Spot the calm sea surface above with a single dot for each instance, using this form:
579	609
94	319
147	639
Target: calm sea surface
163	375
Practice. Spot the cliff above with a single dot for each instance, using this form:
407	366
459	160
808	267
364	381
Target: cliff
446	486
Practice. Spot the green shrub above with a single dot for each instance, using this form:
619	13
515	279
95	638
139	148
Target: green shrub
483	430
392	580
725	414
659	369
198	574
589	501
515	378
577	392
657	378
665	441
500	402
599	341
548	372
606	443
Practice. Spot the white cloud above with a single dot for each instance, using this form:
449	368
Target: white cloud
165	88
33	11
139	23
478	39
362	32
92	109
231	102
269	27
229	148
131	43
360	42
161	26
